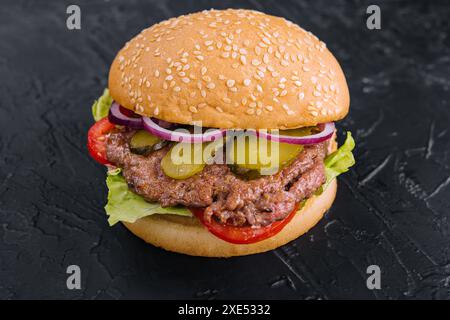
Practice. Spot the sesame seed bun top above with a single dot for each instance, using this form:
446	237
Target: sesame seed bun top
230	69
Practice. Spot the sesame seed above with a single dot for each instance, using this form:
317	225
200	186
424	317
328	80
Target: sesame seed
301	96
266	40
219	109
247	82
298	83
177	89
230	83
193	109
269	108
147	84
204	70
201	58
250	111
256	62
186	80
211	85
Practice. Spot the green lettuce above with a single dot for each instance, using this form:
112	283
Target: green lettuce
100	108
124	205
339	161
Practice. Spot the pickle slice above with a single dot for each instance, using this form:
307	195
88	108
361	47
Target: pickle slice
257	158
177	165
143	142
274	156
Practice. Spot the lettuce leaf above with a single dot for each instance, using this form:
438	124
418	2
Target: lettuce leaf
339	161
124	205
100	108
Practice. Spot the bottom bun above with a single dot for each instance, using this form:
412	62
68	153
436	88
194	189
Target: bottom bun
187	235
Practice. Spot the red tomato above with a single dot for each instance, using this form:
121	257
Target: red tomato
97	138
242	235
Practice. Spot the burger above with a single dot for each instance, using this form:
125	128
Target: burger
198	83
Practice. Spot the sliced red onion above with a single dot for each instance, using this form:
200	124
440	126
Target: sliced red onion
116	116
178	136
327	130
164	124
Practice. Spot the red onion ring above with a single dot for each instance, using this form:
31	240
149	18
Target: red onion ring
327	130
166	134
116	116
164	124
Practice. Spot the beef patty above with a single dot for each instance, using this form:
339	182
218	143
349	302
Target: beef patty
226	196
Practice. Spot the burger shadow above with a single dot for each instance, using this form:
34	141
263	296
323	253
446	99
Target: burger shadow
148	272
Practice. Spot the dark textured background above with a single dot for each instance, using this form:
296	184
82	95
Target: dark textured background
392	209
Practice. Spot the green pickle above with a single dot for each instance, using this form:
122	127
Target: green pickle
250	164
266	162
143	142
183	169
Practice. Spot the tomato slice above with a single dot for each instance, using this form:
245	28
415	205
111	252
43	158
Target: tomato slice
97	139
242	235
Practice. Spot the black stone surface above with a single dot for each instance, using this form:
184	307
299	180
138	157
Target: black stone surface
392	208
